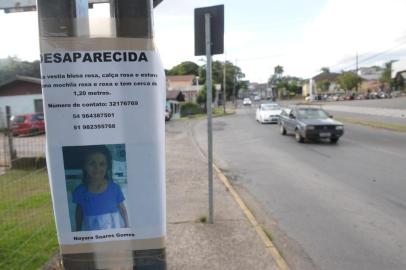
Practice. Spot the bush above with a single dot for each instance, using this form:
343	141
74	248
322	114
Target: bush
190	108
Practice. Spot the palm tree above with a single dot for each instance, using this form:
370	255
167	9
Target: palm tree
278	70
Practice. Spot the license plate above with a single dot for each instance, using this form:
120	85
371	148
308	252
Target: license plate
325	134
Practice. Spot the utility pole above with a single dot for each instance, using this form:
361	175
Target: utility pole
224	84
356	71
234	85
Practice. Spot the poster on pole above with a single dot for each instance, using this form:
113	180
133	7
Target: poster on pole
105	142
104	104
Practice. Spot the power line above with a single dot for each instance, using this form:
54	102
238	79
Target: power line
365	60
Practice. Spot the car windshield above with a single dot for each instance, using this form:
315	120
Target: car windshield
312	114
270	107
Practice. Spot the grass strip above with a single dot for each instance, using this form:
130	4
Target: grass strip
28	238
216	113
373	124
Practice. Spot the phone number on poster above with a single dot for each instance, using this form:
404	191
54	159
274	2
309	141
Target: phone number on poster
95	126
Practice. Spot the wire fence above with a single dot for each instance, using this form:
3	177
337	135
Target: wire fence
28	236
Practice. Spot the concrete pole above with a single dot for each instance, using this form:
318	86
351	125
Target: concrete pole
224	85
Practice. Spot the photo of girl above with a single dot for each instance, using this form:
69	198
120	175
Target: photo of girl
99	200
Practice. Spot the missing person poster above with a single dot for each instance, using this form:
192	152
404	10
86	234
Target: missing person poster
104	113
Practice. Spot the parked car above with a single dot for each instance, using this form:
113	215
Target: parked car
257	98
246	102
27	124
310	123
268	113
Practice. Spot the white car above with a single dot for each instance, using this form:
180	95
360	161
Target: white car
246	102
268	113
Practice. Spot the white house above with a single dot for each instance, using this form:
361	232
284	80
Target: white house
22	94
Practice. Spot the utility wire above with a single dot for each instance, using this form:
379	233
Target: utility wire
365	60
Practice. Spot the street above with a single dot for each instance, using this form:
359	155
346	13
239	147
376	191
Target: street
338	206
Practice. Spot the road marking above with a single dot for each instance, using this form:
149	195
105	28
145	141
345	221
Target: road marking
251	218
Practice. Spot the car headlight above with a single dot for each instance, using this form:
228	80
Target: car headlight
339	127
310	127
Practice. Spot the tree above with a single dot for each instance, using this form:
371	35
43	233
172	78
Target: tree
184	68
386	77
324	85
325	70
399	82
348	80
12	66
278	71
234	77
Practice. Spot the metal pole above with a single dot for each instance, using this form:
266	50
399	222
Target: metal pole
10	136
209	115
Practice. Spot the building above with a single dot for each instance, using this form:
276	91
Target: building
399	67
329	78
23	94
185	84
370	73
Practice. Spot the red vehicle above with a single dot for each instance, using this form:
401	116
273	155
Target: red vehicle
27	124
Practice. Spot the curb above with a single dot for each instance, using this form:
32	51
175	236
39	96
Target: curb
251	218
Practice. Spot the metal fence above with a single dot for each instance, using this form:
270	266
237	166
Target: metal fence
28	236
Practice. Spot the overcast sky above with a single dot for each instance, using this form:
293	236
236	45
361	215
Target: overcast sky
260	34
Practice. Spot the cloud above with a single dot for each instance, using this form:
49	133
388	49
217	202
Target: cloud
345	27
19	32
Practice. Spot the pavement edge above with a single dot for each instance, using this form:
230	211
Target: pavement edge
280	261
276	255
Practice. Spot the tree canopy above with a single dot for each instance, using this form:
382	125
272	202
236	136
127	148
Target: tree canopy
348	80
12	66
234	77
184	68
325	70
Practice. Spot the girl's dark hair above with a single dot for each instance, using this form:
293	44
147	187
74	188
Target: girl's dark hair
97	149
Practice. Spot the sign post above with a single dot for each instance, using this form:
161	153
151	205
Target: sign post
209	40
104	100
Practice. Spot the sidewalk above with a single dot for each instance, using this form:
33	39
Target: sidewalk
231	242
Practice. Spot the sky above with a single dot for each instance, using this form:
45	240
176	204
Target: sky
302	36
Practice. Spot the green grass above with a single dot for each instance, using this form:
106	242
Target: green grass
28	236
202	219
373	124
217	112
268	233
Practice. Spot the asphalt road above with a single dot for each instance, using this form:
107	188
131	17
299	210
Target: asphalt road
343	205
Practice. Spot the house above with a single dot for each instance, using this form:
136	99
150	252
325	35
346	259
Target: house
184	83
370	73
370	78
399	67
23	94
327	78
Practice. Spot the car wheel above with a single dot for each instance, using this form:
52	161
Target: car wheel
282	130
299	138
334	140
